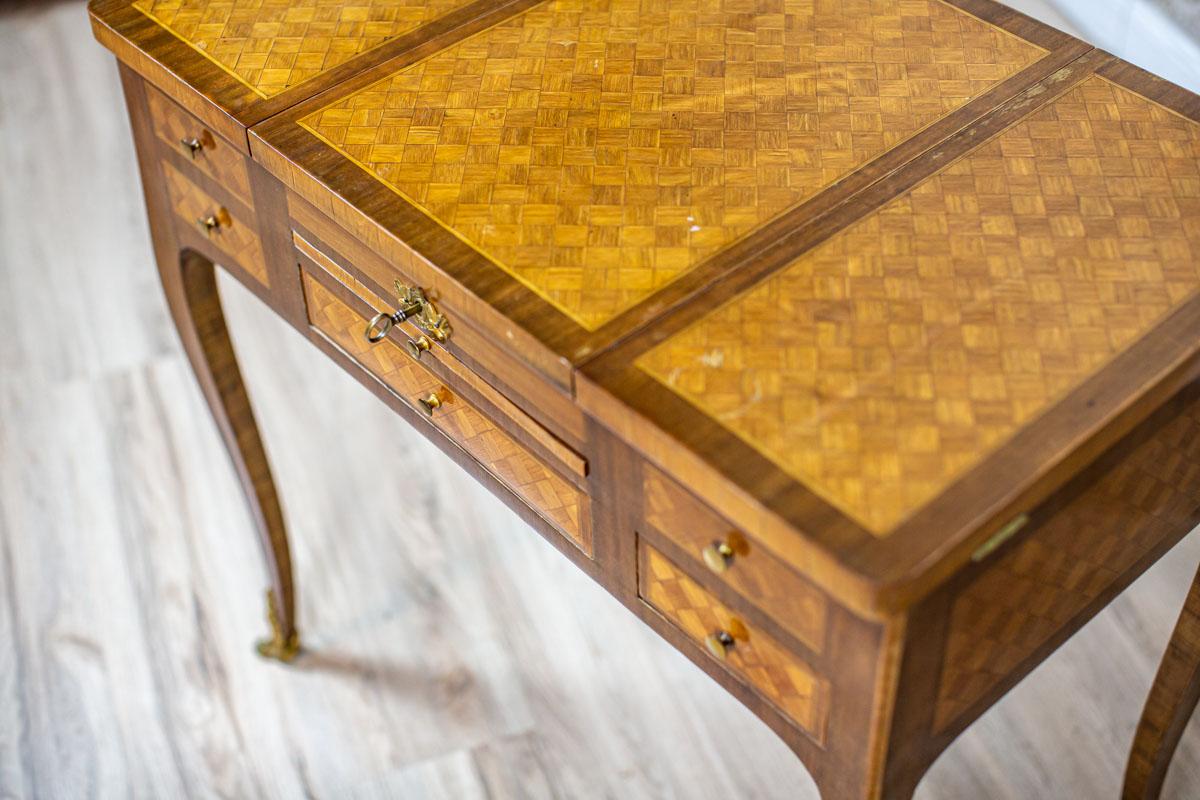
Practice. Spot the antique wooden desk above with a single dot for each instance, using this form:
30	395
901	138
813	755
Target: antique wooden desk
851	344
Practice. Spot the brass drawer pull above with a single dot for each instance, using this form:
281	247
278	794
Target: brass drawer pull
213	222
718	556
418	345
719	643
191	146
430	402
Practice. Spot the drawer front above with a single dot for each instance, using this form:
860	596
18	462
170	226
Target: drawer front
224	229
794	603
555	500
502	353
778	675
408	333
211	154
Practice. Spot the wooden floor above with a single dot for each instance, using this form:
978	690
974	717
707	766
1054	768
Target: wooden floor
454	654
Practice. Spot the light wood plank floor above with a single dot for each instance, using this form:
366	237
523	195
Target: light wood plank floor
455	655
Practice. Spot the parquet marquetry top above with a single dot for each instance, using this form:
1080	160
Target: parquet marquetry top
272	45
885	362
598	149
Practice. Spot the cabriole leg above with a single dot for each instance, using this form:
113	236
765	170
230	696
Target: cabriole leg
1173	697
195	304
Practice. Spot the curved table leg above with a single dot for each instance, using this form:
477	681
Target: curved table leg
195	304
1173	698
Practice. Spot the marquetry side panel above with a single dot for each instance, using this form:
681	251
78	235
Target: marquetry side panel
792	602
779	676
553	498
598	149
235	237
884	363
216	158
273	45
1036	588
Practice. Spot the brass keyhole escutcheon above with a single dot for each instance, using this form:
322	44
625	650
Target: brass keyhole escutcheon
424	313
417	309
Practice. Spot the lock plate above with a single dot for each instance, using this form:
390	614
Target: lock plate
427	318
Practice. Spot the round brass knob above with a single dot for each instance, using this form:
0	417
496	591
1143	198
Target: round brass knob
418	345
191	145
719	643
718	556
430	403
207	225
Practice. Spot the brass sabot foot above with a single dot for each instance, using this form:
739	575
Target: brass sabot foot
279	647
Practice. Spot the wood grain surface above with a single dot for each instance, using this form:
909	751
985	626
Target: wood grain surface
783	678
582	239
231	234
126	553
887	361
789	599
236	62
902	545
1170	706
274	45
560	503
597	150
214	157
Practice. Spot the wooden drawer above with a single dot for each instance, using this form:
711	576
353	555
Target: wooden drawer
556	500
778	675
210	154
228	231
440	357
794	603
497	355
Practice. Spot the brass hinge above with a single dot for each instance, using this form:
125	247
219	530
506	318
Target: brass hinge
999	537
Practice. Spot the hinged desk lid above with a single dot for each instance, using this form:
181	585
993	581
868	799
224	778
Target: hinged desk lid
584	164
966	336
242	60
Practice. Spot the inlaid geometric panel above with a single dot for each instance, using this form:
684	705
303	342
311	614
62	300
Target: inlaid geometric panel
235	237
795	604
885	362
272	45
1039	586
216	158
553	498
778	675
598	149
